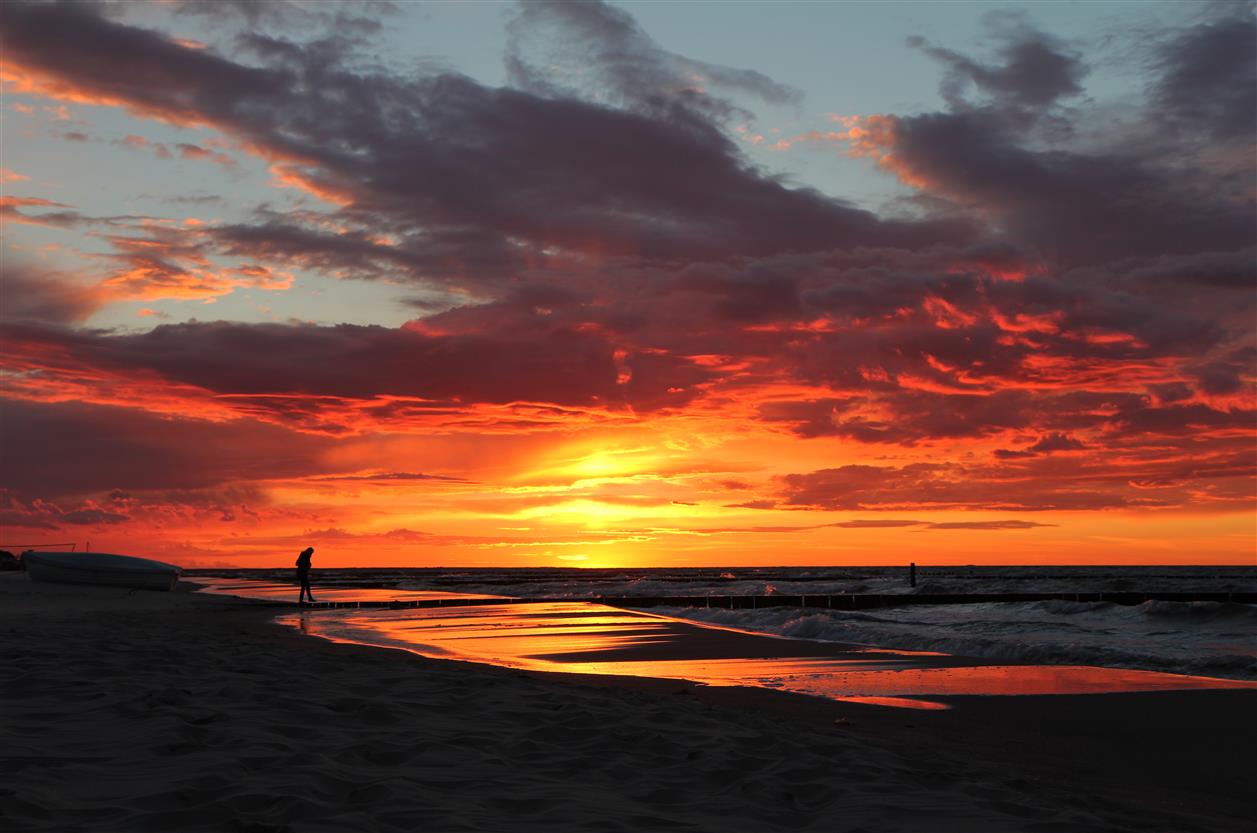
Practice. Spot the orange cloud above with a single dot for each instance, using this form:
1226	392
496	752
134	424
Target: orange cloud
290	175
24	78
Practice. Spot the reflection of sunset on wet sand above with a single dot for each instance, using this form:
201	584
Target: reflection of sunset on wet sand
583	638
285	592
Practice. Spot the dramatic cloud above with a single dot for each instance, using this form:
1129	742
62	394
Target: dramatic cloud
68	449
1035	72
43	515
277	367
1207	76
442	155
1213	478
33	294
1048	443
1057	318
605	55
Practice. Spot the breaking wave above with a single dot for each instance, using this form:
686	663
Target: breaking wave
1200	638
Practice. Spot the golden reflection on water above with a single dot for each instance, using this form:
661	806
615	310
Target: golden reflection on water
897	702
577	637
247	588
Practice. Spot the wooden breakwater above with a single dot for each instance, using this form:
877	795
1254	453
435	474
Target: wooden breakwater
835	601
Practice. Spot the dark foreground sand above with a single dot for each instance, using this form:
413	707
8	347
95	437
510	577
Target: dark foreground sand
177	712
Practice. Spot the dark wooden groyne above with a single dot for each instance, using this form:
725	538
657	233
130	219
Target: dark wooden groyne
837	601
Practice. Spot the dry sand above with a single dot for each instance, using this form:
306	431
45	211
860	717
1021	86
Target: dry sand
142	711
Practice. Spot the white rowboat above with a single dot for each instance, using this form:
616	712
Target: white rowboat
100	568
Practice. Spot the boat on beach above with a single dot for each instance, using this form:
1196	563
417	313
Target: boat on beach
101	568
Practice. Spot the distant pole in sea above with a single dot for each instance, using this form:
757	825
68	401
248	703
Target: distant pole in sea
912	574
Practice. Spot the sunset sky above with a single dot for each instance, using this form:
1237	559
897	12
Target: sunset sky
630	284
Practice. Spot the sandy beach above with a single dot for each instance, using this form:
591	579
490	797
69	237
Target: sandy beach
147	711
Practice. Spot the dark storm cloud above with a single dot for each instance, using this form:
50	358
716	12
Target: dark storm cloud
1077	286
899	307
911	416
936	486
31	294
601	52
1225	375
918	416
443	152
448	255
1207	77
1121	196
288	12
1076	207
763	292
136	67
348	361
1055	441
1036	71
928	486
1184	419
1214	473
1236	270
65	449
221	504
274	239
810	418
16	513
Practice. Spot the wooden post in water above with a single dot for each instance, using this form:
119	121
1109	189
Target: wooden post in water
912	574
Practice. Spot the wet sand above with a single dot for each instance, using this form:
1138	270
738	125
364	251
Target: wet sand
588	638
162	712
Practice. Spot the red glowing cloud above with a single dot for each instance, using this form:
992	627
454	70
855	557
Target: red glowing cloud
622	339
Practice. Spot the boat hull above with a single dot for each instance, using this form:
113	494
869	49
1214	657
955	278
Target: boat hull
100	568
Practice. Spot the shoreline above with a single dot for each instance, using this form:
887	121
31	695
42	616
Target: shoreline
148	711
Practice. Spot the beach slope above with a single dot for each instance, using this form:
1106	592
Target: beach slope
140	711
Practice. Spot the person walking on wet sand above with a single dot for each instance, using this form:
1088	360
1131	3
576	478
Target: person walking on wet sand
303	575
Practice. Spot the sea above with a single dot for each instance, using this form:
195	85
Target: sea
1202	638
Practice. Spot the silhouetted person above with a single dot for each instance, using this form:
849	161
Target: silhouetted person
303	575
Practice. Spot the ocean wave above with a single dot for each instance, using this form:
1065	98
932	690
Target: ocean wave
1219	642
1206	638
553	582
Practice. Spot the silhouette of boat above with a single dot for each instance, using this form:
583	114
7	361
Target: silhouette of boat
100	568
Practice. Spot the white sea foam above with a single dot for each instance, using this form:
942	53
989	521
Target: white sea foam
1206	638
1203	638
542	582
759	581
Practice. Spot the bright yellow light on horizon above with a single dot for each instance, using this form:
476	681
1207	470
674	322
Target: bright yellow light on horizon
601	464
594	514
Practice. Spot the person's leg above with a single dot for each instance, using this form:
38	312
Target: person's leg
305	582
